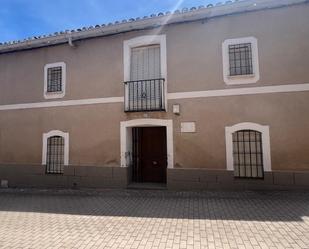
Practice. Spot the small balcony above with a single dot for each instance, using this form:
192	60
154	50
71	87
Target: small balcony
145	95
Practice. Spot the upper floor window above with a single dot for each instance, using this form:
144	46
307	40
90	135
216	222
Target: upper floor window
54	80
240	61
145	63
145	73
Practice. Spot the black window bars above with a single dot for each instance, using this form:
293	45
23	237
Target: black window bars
248	154
145	95
55	155
54	79
240	59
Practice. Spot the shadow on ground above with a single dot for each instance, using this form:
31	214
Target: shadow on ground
247	206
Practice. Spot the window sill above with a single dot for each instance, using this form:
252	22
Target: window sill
241	79
54	95
232	77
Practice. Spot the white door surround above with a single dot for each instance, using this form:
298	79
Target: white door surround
126	137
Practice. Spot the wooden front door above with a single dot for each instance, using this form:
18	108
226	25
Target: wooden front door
150	154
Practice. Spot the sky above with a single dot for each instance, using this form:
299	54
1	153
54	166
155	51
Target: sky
20	19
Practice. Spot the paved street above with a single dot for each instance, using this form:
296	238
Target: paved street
153	219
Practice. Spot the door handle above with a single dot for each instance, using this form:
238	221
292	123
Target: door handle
154	162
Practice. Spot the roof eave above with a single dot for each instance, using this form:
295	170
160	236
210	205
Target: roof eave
153	22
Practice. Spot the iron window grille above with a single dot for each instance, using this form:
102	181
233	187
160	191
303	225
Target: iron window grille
145	95
248	154
54	79
240	59
55	155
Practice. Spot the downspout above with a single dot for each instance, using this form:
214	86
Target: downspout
70	42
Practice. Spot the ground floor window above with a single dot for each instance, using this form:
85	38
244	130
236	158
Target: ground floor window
248	154
248	150
55	155
55	151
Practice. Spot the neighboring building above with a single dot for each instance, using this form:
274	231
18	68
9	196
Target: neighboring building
214	97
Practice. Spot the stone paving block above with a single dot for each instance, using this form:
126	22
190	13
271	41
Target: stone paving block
69	170
209	175
152	219
182	185
94	171
283	178
189	175
302	179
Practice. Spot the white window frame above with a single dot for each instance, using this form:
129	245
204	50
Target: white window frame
263	129
55	95
53	133
240	79
146	40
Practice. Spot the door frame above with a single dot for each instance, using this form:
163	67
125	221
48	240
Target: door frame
126	137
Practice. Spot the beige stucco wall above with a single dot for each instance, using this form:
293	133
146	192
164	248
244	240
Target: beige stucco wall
93	134
95	130
289	128
194	57
194	60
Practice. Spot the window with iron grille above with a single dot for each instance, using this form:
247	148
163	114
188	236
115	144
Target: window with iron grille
240	59
248	154
54	79
55	155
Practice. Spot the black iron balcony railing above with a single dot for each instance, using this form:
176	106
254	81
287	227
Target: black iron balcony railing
145	95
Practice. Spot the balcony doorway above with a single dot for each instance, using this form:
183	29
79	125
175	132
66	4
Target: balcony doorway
145	90
145	74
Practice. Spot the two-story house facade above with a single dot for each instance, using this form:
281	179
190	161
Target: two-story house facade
205	98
